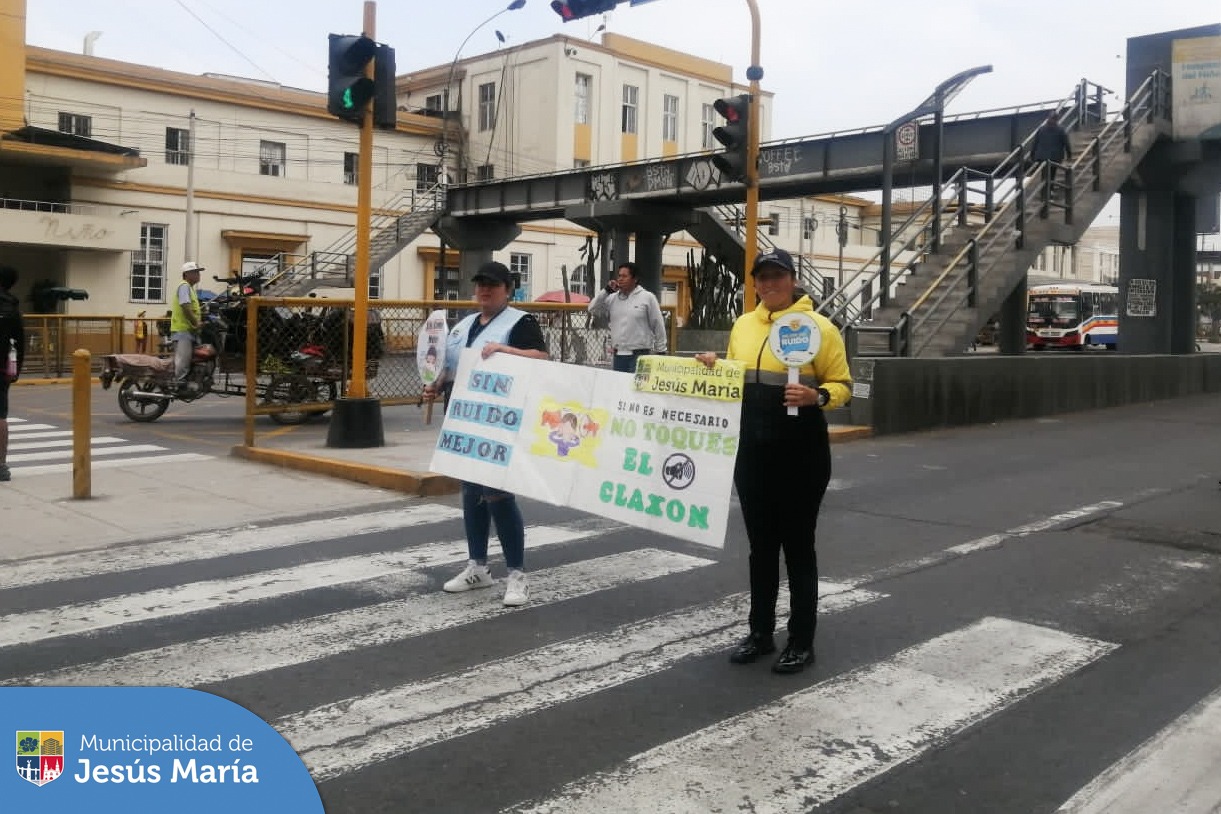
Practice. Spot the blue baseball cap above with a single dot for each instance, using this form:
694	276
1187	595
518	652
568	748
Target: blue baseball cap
776	257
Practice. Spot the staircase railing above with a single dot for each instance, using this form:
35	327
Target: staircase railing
861	292
285	268
807	273
915	328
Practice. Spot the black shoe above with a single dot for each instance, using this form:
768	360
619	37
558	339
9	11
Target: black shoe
794	659
751	648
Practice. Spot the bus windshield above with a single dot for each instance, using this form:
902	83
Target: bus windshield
1054	309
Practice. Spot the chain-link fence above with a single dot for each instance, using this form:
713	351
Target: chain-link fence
303	347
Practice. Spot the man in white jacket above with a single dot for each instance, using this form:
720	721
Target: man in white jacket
636	324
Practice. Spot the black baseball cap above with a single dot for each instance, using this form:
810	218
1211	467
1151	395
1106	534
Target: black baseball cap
776	257
493	272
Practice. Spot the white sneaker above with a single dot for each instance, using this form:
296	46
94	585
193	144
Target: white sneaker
473	576
517	590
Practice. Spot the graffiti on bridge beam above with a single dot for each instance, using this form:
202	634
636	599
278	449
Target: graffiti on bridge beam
603	187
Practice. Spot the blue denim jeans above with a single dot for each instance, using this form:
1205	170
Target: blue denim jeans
626	364
480	506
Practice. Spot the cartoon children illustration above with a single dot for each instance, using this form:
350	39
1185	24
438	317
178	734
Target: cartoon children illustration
565	436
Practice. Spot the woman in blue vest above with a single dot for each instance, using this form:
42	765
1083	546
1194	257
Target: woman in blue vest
496	328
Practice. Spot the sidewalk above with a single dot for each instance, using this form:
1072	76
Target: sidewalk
300	477
401	465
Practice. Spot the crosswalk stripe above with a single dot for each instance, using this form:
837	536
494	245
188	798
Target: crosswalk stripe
341	737
216	544
851	728
23	427
1175	770
220	658
15	432
131	449
64	442
179	600
111	463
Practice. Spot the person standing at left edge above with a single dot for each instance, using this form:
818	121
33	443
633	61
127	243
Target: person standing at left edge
496	328
12	343
784	462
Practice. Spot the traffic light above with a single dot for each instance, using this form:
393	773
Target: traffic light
349	90
734	134
385	100
571	10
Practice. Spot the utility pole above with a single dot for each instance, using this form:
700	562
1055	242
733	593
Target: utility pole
188	251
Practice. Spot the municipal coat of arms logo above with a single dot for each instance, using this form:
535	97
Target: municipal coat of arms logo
40	755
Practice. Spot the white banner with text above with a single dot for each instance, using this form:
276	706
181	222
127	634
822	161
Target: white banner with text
654	450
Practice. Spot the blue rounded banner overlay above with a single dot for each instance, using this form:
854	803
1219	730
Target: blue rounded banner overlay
128	749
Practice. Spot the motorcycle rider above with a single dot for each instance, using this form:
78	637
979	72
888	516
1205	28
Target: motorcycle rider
185	320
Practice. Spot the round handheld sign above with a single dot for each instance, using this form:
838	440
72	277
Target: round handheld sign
795	340
430	352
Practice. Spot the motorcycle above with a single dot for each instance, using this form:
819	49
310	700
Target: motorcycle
147	384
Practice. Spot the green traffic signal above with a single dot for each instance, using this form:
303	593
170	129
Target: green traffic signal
349	90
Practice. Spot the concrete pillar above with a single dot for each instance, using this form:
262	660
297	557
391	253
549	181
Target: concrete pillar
620	240
1157	268
648	260
1012	330
476	240
1182	315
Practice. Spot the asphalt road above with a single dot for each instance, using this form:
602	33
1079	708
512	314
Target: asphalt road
1007	612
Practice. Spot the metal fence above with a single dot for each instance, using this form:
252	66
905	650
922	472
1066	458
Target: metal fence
50	340
303	346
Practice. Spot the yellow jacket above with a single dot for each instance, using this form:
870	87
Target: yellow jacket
829	369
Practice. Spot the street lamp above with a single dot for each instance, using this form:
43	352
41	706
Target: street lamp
453	66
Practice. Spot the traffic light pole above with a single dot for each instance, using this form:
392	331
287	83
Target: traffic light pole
364	216
754	73
357	419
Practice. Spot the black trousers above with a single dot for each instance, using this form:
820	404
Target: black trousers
781	482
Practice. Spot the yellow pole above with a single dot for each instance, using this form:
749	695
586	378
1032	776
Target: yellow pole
252	365
754	73
82	485
364	207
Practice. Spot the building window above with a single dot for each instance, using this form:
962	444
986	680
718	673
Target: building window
148	264
485	173
519	267
75	124
773	223
583	84
426	176
577	282
444	283
808	225
177	146
487	106
351	168
271	158
580	163
669	118
434	105
707	123
631	96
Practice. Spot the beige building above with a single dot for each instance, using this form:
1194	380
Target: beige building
112	174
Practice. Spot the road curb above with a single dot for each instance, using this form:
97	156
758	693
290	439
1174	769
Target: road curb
840	434
421	484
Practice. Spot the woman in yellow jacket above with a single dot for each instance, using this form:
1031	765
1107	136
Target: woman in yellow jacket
784	462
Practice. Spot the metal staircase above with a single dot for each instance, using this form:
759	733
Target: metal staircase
992	227
721	230
405	218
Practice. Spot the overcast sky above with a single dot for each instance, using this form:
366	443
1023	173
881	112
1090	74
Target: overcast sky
833	65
